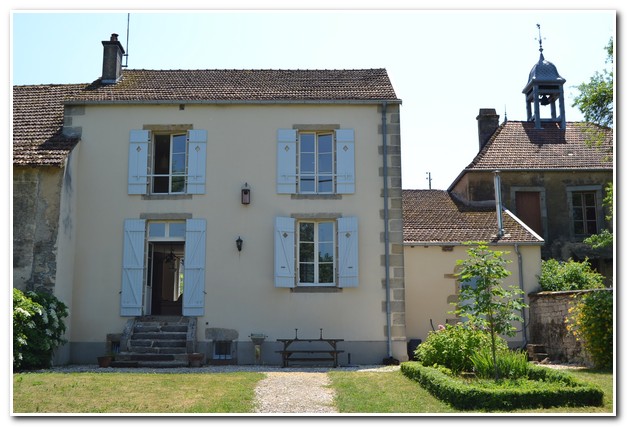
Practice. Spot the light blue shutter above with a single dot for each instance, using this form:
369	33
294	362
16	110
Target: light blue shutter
194	261
132	267
138	162
196	161
348	252
345	157
286	161
284	276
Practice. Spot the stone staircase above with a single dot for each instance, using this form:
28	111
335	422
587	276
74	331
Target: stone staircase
157	342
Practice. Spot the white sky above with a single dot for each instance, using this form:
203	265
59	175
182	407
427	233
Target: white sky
444	65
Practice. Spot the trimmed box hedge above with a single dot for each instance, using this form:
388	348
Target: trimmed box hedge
554	388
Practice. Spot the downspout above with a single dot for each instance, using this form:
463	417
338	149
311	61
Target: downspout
521	283
386	227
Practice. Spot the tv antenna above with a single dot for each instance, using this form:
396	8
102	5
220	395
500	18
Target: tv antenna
128	21
429	179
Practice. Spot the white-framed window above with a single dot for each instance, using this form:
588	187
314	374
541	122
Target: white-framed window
316	252
316	162
167	163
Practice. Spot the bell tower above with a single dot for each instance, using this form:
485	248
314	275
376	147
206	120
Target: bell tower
545	88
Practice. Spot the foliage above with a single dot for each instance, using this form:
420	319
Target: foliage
544	388
38	328
568	276
452	347
605	238
591	321
482	299
596	98
510	364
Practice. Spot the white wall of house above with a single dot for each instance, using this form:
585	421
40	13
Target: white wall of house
431	287
240	292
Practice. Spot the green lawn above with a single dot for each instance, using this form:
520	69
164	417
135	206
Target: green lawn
134	393
356	392
392	392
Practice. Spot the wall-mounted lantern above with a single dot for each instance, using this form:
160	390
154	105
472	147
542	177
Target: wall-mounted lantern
239	243
245	194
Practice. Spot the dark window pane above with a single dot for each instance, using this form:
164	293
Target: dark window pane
178	184
160	184
162	154
578	214
306	230
306	252
326	273
592	227
590	199
306	273
579	227
591	214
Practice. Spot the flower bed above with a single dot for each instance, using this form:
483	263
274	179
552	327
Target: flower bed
543	388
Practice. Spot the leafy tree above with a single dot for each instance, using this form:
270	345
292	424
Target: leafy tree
596	98
482	298
596	102
568	276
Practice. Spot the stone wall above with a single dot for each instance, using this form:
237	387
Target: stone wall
36	200
548	310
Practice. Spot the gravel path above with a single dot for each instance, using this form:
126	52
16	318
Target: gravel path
294	392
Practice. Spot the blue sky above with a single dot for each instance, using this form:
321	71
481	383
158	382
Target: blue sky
444	65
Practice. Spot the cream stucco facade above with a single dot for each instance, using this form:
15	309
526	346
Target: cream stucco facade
240	295
431	285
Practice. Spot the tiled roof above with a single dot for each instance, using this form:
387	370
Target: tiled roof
242	86
519	145
38	110
38	122
435	216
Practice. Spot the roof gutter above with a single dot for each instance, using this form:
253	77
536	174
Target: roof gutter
229	101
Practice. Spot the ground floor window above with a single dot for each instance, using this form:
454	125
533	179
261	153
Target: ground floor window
222	350
316	253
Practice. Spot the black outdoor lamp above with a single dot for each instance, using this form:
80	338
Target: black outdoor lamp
245	194
238	243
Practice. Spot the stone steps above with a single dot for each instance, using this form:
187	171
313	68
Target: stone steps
158	342
536	353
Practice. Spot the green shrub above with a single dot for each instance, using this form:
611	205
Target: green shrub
544	388
38	328
453	345
510	364
568	276
591	321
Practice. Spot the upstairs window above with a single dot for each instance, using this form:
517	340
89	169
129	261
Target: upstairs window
167	163
584	213
316	162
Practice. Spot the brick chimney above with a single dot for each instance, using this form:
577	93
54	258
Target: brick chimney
112	60
488	122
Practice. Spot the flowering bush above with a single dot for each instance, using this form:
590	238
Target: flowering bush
591	321
38	328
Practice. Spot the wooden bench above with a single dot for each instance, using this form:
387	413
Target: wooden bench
298	350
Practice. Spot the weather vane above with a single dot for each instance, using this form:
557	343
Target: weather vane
539	37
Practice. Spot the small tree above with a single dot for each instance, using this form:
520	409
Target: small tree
482	299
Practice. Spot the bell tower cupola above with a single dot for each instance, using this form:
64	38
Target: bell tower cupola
545	90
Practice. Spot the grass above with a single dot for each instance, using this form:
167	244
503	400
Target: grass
392	392
134	393
356	393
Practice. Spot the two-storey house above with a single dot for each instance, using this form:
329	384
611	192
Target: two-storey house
255	202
